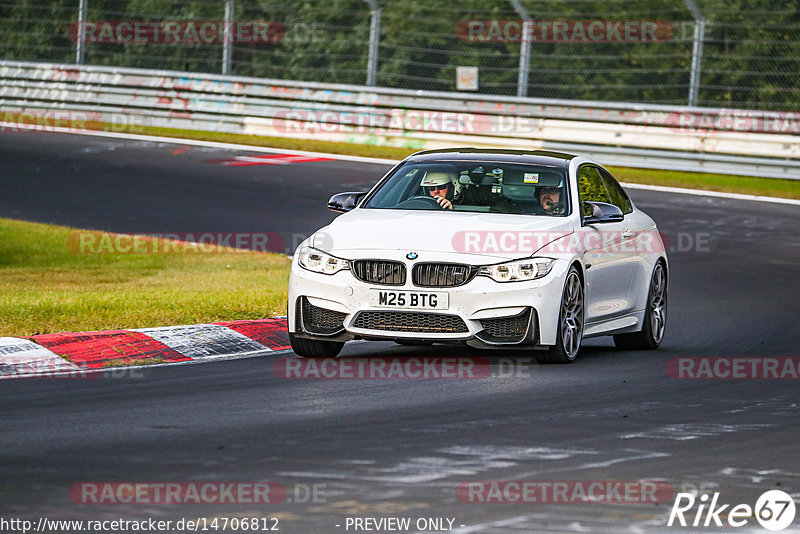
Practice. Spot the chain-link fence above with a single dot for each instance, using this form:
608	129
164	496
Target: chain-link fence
742	54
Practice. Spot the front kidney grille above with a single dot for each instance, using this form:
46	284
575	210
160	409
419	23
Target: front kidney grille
442	274
316	320
410	322
384	272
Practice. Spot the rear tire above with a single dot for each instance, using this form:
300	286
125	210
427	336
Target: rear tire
570	323
314	348
655	316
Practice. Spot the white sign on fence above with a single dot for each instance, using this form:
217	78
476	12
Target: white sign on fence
467	78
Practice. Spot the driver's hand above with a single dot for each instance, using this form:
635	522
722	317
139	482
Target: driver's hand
444	203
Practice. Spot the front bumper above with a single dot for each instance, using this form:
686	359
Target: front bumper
482	312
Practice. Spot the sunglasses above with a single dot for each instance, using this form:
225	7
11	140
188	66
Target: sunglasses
550	190
437	187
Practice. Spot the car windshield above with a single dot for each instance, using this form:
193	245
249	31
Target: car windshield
475	186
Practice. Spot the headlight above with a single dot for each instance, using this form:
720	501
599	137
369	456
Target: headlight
320	262
518	270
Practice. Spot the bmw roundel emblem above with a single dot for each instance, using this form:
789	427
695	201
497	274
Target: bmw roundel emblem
412	256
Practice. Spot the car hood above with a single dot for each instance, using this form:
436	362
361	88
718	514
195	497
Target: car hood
492	235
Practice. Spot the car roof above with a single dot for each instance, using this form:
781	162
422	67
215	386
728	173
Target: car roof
535	157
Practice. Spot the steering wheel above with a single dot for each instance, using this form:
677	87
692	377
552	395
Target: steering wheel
556	208
419	202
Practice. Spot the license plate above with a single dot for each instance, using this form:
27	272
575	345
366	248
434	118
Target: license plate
417	300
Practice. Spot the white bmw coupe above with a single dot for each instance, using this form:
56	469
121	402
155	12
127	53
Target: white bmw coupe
491	248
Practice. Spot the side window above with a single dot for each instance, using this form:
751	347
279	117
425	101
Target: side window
590	186
618	196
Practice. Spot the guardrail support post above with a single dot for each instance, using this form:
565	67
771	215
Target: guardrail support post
374	39
80	45
697	50
524	48
227	42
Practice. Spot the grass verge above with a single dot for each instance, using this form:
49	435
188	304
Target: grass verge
748	185
47	286
727	183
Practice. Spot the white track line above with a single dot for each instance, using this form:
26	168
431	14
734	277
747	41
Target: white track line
361	159
216	144
720	194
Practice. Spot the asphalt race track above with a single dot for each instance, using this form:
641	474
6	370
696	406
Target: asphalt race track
400	448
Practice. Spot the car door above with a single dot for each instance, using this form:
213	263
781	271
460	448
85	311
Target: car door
641	240
607	253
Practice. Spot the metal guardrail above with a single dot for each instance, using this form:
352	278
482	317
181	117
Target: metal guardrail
696	139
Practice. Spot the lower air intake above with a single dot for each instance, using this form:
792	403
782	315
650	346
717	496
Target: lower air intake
410	322
506	329
316	320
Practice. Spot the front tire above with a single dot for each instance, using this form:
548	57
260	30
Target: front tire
655	316
570	323
314	348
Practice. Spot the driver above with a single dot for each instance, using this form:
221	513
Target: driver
441	186
550	200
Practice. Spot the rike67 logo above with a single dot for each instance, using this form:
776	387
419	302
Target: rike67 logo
774	510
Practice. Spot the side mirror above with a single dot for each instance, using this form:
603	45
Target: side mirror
600	212
344	202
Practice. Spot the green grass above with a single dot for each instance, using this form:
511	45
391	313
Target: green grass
750	185
47	286
692	180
